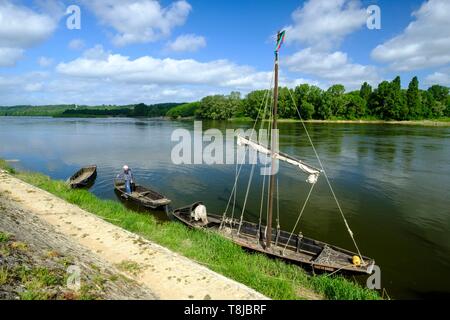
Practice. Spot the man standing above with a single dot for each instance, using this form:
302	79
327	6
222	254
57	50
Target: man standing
127	176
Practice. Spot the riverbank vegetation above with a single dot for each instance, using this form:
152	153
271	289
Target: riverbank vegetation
274	278
388	101
76	111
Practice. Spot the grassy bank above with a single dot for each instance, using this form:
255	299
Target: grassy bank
273	278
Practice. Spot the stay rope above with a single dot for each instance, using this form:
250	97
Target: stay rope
350	232
299	216
237	174
252	171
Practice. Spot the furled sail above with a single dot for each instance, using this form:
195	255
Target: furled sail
310	170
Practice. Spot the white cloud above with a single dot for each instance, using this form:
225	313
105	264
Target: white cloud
33	87
9	56
59	89
323	23
98	64
139	21
45	62
424	43
334	67
76	44
21	28
101	77
96	53
187	42
441	77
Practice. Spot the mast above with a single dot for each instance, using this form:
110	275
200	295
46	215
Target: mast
273	144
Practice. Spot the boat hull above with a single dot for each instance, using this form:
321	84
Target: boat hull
142	197
293	248
83	178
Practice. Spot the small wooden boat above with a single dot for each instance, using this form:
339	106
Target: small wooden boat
83	178
141	196
292	248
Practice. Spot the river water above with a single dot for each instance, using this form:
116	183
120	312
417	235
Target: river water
392	181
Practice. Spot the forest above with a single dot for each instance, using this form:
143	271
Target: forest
76	111
388	101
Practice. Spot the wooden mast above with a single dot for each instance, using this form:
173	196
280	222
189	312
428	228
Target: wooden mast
273	146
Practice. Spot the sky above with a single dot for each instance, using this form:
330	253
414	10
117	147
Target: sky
132	51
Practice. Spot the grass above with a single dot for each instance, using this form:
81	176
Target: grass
271	277
129	266
5	166
4	237
17	245
335	288
3	275
37	281
33	281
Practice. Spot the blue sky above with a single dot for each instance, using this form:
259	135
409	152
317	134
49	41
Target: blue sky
158	51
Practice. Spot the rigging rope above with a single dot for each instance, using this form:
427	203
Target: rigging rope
299	216
269	141
263	102
246	197
326	178
261	208
234	197
278	206
251	178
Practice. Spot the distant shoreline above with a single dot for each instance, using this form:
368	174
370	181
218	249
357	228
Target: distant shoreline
433	123
429	123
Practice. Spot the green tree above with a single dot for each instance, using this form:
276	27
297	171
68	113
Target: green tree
437	98
447	109
356	106
140	110
309	99
254	101
235	104
397	107
184	110
440	93
286	107
337	100
324	109
366	91
213	107
414	99
427	104
307	110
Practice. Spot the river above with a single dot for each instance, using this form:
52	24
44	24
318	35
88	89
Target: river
392	181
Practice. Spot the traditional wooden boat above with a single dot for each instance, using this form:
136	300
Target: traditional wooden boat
284	245
141	196
263	237
83	178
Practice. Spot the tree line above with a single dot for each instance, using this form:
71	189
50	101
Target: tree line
138	110
388	101
73	111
